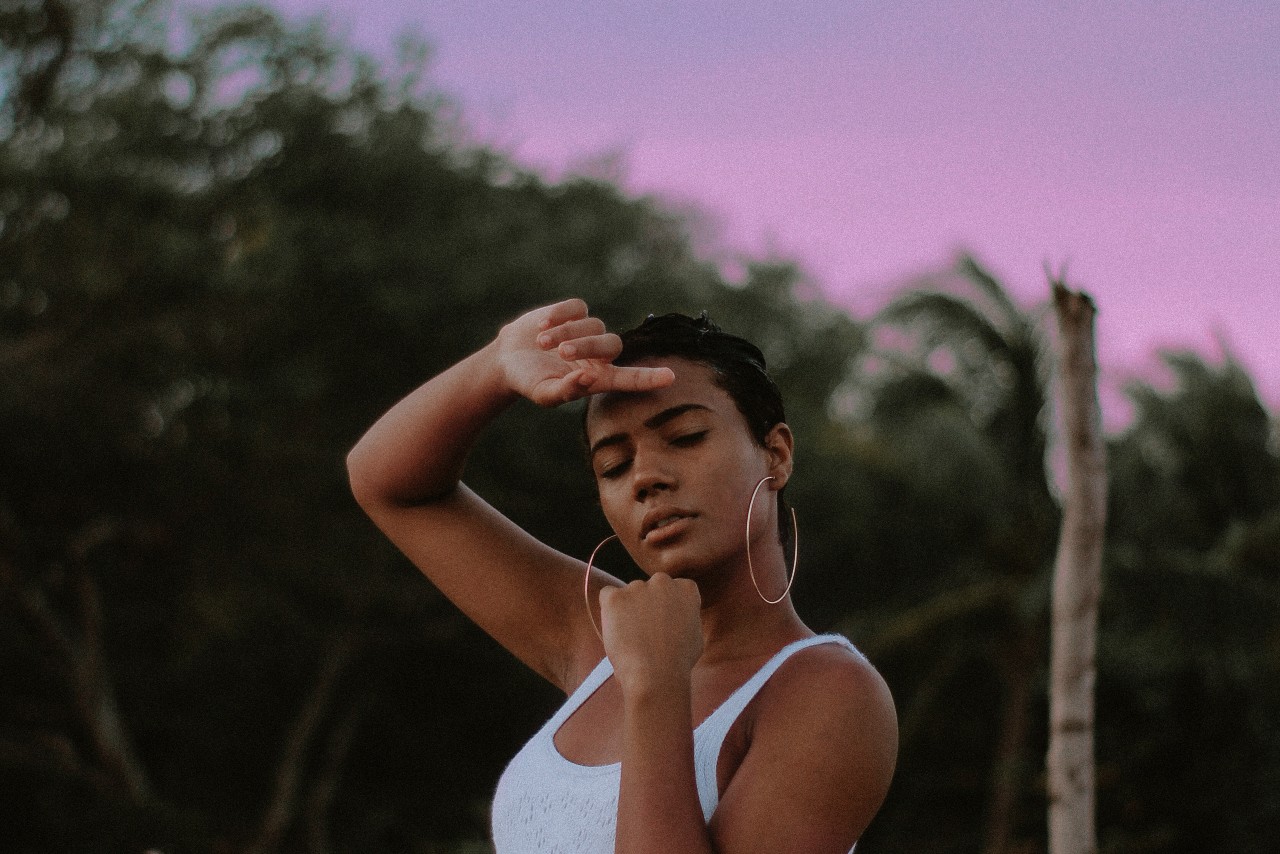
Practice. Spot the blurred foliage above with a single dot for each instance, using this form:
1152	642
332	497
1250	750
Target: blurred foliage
227	244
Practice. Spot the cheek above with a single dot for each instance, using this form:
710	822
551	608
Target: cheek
735	471
612	501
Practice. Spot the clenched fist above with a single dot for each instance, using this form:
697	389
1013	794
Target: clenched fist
652	630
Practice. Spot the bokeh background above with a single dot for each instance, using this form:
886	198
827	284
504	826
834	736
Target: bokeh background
231	237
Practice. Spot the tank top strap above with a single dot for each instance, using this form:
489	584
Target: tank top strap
711	732
594	680
738	700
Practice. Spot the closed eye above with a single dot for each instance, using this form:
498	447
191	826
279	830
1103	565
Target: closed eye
613	470
688	440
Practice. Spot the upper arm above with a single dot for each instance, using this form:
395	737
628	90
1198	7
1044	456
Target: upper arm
525	594
823	748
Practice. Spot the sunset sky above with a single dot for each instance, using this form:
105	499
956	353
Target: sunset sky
1137	142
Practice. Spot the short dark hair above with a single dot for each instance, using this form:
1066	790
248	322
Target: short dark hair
737	365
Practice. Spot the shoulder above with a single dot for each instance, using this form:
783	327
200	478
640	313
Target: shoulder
826	684
831	712
822	748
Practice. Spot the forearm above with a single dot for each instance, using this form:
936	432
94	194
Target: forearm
658	806
416	451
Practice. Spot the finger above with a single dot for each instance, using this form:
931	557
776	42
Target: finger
569	331
689	589
557	390
604	347
563	312
631	378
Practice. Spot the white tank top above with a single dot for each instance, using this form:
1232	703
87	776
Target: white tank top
546	804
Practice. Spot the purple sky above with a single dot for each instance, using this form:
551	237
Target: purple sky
1137	141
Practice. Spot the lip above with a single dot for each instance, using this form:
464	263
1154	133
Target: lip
649	530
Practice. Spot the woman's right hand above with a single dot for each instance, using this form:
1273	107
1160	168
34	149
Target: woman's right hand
559	353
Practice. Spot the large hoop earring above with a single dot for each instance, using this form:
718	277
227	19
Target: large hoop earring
586	585
795	542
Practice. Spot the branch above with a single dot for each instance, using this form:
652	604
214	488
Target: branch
941	609
53	754
1018	667
324	788
84	668
283	805
931	689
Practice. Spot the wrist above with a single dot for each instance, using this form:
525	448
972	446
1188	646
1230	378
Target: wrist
491	375
652	687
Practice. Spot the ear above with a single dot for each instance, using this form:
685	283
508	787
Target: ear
779	445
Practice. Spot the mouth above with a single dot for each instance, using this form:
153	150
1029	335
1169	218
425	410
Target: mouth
660	521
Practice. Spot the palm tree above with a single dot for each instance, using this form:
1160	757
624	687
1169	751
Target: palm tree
1190	654
958	399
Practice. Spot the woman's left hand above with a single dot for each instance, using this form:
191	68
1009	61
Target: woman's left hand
652	631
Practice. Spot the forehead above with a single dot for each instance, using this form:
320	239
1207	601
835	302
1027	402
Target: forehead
694	383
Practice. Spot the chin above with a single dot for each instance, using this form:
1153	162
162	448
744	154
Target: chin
666	562
681	563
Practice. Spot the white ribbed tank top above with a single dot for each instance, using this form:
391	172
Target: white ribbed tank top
546	804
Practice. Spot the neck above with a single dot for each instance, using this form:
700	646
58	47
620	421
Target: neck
737	622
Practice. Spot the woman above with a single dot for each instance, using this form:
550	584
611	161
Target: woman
703	715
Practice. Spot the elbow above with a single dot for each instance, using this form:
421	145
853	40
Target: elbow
363	485
377	484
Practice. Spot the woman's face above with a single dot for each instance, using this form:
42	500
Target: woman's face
676	467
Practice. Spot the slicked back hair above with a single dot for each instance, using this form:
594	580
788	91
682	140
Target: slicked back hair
738	364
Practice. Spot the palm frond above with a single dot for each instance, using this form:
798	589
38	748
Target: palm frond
1011	315
945	316
912	393
916	623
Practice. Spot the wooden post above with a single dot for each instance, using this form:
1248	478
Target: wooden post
1077	581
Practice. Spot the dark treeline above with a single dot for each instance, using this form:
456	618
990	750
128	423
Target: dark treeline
226	246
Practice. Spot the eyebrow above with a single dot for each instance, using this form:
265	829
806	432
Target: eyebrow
653	422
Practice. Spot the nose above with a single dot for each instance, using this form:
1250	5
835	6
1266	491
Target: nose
650	475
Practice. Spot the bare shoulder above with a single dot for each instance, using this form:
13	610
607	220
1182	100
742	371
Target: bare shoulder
831	677
829	690
823	746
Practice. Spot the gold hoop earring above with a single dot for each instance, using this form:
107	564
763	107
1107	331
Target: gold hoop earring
586	585
795	542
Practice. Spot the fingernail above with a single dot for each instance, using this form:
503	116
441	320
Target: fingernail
568	350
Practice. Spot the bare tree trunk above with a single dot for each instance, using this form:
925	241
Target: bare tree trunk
1077	582
1018	666
283	806
324	788
85	669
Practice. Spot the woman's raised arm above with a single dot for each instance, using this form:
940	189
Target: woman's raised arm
406	474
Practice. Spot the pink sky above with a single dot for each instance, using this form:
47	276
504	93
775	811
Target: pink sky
871	140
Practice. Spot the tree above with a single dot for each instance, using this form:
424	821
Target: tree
1187	662
957	399
222	261
1077	581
